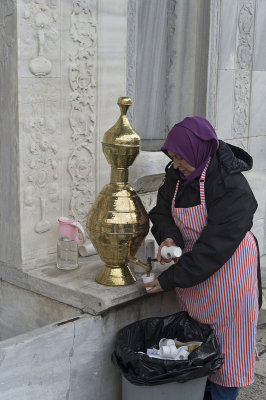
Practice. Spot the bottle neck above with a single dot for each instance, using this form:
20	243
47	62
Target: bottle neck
65	239
119	175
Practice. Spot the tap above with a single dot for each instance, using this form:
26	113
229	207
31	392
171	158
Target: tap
147	267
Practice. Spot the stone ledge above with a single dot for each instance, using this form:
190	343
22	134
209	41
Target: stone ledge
76	288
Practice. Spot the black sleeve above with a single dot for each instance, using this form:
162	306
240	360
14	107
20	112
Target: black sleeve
161	216
230	215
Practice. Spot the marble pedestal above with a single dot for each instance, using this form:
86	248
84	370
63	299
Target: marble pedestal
58	331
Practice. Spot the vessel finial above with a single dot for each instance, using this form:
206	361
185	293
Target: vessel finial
124	103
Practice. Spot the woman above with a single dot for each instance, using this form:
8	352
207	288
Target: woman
206	207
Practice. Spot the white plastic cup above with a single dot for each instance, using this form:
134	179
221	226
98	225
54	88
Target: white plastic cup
182	354
173	351
163	342
165	351
170	342
146	279
168	351
171	252
166	342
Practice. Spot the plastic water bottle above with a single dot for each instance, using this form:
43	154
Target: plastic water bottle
67	243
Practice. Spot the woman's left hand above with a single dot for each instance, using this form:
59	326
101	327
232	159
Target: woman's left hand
155	285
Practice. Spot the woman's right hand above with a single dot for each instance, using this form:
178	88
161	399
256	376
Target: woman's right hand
167	242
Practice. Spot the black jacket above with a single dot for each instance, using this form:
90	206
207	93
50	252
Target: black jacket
230	205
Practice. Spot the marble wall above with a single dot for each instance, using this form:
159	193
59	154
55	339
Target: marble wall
235	104
9	141
167	57
64	63
71	358
56	60
234	86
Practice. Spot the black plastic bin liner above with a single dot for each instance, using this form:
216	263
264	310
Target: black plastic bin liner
140	369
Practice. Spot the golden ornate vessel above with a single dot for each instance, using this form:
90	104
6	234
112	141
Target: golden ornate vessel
117	222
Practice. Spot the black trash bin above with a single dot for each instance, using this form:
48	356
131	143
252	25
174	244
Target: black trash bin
141	373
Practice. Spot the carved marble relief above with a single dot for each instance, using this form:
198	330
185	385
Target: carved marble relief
244	52
246	34
82	79
171	55
211	109
40	150
241	105
41	21
7	39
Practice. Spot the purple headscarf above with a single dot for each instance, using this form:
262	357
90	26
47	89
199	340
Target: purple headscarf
195	140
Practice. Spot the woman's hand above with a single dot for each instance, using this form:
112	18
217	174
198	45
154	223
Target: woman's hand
155	285
167	242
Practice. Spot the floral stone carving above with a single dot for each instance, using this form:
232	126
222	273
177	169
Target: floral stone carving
82	79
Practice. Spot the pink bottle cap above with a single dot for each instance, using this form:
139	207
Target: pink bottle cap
70	228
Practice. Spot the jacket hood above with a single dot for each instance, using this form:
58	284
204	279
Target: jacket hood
233	158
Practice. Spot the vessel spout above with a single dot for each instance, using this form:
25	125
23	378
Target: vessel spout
147	267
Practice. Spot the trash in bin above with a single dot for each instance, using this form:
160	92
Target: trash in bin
138	368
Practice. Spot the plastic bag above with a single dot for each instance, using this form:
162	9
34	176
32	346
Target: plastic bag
140	369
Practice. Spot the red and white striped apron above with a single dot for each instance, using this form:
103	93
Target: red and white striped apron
227	301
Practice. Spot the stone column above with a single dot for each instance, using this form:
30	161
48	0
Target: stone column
62	68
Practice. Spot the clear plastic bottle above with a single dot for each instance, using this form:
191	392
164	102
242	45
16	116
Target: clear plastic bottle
67	243
67	253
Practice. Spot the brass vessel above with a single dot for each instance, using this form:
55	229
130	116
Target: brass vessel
117	222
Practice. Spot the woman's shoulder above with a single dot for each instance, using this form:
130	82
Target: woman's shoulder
226	167
233	159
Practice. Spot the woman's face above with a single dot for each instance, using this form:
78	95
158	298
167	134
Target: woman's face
181	164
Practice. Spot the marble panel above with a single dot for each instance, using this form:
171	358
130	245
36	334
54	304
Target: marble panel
111	74
225	102
71	359
257	148
39	38
41	174
259	61
188	41
228	33
37	364
264	242
257	104
151	43
22	311
101	335
79	61
241	106
214	37
67	53
257	182
245	34
258	230
9	147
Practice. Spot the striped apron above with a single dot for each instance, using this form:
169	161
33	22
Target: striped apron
227	301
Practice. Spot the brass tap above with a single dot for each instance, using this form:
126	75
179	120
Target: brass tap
147	267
